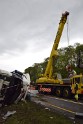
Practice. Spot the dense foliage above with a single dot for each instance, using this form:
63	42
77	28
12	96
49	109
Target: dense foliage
70	54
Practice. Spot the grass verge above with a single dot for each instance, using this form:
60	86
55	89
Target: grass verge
32	113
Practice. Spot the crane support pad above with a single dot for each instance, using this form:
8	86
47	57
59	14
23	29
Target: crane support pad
79	115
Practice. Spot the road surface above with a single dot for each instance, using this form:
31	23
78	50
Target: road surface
65	106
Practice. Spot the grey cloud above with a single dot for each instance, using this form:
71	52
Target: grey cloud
34	23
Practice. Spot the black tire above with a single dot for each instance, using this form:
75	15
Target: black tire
58	92
66	92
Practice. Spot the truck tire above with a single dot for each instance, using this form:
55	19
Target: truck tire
66	92
58	92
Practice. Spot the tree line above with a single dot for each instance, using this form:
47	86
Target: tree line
70	54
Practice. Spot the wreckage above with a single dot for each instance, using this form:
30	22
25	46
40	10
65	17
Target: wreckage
11	85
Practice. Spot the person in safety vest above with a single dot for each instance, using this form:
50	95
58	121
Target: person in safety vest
76	91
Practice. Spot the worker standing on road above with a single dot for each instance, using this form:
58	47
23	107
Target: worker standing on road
71	72
76	91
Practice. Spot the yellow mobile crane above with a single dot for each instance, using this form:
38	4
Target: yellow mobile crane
47	77
50	83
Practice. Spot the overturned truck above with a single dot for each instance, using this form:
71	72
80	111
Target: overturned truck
11	84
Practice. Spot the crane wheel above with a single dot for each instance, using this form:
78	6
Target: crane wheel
66	92
58	92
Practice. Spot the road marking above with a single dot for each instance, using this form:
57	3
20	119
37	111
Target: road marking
79	103
61	108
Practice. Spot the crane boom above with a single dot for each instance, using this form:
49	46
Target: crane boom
49	68
47	76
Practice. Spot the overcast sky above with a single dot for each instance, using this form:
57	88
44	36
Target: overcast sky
28	29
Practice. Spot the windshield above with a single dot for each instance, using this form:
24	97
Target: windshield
77	80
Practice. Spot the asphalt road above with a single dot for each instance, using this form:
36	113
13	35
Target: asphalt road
64	106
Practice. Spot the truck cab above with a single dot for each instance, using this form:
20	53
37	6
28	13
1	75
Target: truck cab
79	80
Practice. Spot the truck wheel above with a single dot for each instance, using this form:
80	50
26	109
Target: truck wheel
66	92
58	92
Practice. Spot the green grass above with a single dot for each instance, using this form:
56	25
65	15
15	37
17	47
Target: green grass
32	113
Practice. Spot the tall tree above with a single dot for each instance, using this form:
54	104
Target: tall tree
66	55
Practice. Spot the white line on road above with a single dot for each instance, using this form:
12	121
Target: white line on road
70	111
79	103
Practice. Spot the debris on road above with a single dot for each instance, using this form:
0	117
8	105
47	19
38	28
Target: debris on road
51	117
47	109
9	113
